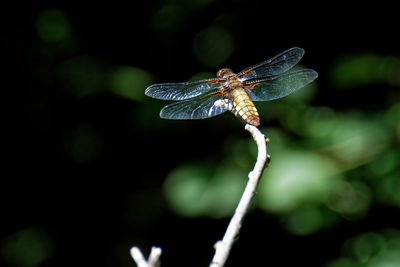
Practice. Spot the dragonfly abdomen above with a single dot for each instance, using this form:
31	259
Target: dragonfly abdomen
243	107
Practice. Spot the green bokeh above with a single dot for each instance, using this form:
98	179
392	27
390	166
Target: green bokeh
305	220
213	46
295	177
359	70
81	76
349	199
52	26
169	17
196	190
130	82
371	249
364	69
27	248
83	144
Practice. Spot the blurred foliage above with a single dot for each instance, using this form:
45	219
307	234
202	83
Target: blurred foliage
335	144
52	26
360	70
81	76
370	249
213	46
83	144
27	248
198	190
129	81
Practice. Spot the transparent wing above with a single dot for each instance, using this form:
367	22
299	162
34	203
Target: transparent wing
273	66
279	86
180	91
200	107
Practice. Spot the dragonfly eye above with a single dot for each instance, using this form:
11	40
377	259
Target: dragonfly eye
222	73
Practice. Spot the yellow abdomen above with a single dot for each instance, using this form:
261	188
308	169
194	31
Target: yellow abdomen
244	108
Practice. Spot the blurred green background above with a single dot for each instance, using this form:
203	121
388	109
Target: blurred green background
92	170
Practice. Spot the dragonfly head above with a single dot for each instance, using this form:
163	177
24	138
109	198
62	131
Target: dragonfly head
224	73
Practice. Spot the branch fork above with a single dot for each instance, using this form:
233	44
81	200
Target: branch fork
154	257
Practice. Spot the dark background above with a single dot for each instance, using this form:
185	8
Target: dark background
85	163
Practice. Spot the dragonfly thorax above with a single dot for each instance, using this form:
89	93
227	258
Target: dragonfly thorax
230	80
225	73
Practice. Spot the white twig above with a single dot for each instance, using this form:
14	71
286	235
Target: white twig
154	257
222	248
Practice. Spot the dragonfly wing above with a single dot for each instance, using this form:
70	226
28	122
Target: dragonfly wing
200	107
180	91
274	66
279	86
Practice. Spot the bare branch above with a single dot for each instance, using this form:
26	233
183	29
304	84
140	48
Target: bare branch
222	248
154	257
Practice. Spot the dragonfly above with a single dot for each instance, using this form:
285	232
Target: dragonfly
268	80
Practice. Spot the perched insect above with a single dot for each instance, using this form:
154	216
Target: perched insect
265	81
